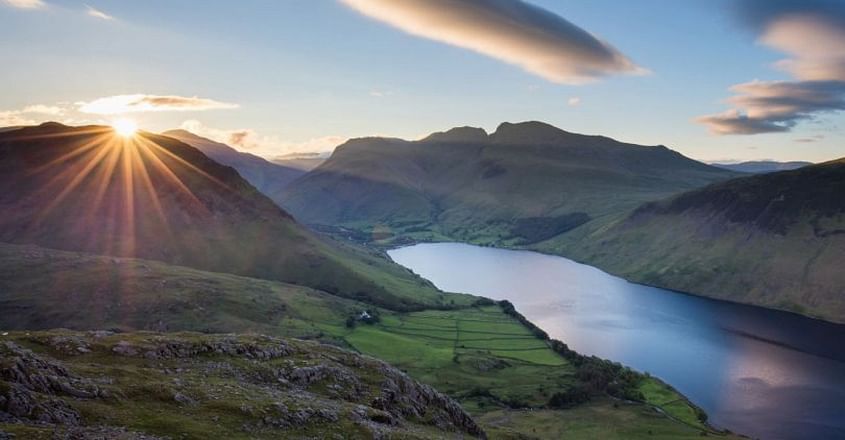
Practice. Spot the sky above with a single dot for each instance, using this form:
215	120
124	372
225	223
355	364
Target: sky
714	79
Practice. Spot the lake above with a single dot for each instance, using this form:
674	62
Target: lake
758	372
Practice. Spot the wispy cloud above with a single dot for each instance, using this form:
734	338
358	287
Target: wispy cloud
14	118
268	146
94	12
512	31
150	103
25	116
25	4
812	33
574	101
43	109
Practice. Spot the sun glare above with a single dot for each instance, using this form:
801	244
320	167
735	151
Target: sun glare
125	127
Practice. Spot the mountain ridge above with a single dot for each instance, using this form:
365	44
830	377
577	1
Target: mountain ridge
527	171
774	240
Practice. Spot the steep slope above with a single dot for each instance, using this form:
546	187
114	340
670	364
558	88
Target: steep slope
153	197
761	166
106	385
522	184
776	240
268	177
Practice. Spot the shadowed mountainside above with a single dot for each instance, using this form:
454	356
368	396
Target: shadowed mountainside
522	184
775	240
154	197
268	177
761	166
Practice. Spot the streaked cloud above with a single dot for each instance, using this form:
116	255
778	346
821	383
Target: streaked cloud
573	101
267	146
150	103
94	12
25	4
812	33
512	31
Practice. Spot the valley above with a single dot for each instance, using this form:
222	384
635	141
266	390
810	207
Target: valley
597	201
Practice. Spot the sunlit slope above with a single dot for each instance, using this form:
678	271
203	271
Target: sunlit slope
153	197
776	240
521	184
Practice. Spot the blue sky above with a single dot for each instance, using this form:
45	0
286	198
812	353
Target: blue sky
304	75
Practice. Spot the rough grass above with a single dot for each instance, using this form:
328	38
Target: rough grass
597	420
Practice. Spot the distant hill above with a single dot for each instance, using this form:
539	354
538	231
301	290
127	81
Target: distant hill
301	161
522	184
154	197
270	178
761	166
775	240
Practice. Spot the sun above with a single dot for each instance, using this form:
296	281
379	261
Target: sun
125	127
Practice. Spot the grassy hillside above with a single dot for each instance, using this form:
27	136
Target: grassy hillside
485	358
268	177
63	384
154	197
775	240
522	184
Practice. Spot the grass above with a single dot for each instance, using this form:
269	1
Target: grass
596	420
231	396
479	355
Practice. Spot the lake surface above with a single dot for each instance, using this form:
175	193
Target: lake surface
758	372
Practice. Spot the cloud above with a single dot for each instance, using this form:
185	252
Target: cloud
13	119
43	109
812	33
573	101
268	146
734	122
25	4
150	103
776	106
94	12
23	116
811	139
512	31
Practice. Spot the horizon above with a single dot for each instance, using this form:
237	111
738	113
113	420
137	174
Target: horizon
280	82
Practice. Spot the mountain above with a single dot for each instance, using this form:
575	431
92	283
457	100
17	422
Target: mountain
301	161
761	166
154	197
146	233
522	184
270	178
775	240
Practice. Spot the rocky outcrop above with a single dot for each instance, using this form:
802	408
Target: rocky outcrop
260	386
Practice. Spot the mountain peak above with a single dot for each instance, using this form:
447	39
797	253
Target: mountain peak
464	134
530	132
180	132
